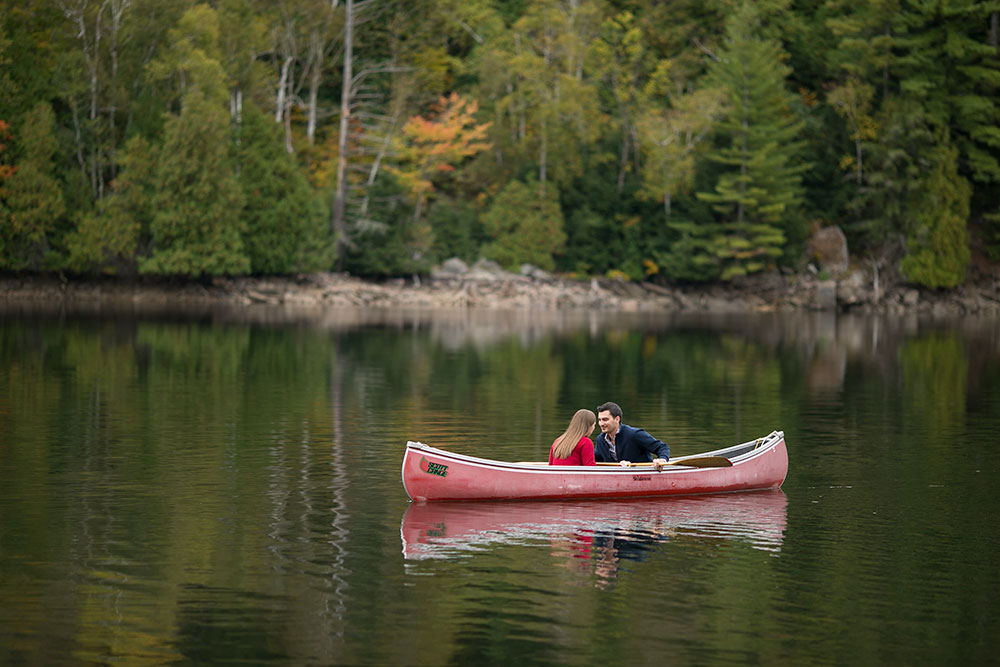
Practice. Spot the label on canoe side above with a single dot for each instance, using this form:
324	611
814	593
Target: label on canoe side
438	469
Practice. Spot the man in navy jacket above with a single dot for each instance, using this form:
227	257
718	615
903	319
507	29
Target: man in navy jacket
619	442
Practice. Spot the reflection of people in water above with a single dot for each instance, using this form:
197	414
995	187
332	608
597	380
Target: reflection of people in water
606	567
610	549
575	547
601	553
574	447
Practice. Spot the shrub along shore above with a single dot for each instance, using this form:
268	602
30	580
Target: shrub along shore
485	285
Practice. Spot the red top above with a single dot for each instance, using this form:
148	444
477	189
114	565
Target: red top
582	454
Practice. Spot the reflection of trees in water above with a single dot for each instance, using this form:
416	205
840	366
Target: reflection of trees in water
339	533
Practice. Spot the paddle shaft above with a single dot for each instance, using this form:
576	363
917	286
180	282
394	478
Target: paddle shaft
694	462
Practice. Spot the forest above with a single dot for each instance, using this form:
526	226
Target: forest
682	140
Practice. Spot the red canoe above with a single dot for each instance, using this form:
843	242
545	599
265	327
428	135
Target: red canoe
450	530
431	474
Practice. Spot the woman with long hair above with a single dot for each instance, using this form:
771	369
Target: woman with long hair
574	447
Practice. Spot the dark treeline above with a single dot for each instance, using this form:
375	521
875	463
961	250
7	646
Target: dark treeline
691	140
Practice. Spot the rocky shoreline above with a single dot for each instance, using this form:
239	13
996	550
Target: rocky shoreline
486	286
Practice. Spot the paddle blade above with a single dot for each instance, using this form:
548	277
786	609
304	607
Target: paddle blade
703	462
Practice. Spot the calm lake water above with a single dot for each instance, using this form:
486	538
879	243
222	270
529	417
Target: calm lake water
225	487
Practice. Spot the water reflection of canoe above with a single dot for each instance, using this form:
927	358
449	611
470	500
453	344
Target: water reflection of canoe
447	530
436	474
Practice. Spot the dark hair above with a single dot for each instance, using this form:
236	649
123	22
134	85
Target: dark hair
610	407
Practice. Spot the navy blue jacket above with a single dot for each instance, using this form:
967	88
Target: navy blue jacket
631	444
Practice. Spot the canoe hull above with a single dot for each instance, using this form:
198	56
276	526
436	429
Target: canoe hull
431	474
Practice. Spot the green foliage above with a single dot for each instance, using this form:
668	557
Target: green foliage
192	56
278	213
109	238
8	89
668	133
31	201
526	225
380	246
895	168
944	62
720	251
242	35
758	190
197	225
671	139
583	232
546	113
937	244
456	227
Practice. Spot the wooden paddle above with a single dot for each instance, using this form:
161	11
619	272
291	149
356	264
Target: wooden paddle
694	462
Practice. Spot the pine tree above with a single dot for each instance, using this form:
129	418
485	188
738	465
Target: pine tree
758	191
31	201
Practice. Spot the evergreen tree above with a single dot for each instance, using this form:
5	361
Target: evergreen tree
895	166
277	208
526	225
31	201
8	89
457	231
937	241
197	226
946	61
111	237
758	191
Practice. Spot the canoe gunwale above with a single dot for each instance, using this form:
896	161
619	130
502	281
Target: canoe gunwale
753	448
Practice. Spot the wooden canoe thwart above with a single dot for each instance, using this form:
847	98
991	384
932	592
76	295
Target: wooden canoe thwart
431	474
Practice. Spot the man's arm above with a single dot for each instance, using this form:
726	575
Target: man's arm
656	448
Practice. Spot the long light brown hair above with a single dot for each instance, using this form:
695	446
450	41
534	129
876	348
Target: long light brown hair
580	425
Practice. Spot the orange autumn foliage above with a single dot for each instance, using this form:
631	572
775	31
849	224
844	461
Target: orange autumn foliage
435	145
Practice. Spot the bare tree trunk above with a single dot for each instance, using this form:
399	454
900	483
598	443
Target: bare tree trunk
279	107
91	56
236	105
543	153
289	148
522	130
543	157
78	136
383	149
339	202
118	8
314	82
